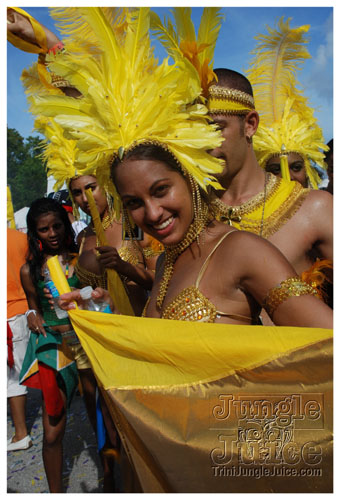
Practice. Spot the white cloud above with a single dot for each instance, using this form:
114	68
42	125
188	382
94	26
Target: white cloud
320	79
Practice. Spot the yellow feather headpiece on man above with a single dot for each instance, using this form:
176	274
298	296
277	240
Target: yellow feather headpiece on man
287	123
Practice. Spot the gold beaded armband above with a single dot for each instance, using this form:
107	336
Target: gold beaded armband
291	287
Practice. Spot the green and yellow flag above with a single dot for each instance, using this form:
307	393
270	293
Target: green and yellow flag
216	408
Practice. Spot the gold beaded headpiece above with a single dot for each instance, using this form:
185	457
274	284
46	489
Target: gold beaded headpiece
226	101
287	124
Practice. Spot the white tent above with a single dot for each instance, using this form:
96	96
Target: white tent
20	219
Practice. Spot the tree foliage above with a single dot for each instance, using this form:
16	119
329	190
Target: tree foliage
26	175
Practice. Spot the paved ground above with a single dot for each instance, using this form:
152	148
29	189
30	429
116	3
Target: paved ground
82	469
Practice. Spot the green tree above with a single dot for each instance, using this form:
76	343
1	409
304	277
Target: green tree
26	175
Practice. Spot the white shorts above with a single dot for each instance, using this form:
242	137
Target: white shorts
21	334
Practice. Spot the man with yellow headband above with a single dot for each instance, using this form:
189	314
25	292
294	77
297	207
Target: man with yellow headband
297	220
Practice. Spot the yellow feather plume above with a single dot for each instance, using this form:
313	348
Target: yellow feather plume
287	122
181	42
272	71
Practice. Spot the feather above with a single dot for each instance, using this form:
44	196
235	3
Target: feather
184	25
286	118
208	31
33	84
317	276
182	43
277	57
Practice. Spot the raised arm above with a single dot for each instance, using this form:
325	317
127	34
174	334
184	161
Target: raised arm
21	26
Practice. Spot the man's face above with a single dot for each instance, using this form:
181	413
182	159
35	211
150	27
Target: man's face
234	148
296	166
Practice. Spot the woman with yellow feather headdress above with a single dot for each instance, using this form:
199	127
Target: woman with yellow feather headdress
146	125
139	122
289	141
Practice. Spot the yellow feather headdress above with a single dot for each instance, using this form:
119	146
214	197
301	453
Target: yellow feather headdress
181	41
128	99
60	153
287	123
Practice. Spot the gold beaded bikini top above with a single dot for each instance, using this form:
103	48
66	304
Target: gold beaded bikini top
191	305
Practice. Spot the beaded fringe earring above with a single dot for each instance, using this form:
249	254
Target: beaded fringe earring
109	200
127	228
197	204
75	209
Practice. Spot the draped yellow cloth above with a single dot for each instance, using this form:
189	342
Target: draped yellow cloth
216	408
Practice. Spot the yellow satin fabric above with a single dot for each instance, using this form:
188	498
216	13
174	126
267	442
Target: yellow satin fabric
177	390
160	349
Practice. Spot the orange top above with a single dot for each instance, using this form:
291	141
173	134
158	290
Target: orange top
16	256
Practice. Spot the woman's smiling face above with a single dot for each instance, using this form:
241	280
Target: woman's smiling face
157	197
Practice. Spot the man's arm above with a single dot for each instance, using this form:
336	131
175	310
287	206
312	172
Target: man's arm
319	206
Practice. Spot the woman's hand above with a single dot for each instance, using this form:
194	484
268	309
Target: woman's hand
20	26
110	258
35	323
67	300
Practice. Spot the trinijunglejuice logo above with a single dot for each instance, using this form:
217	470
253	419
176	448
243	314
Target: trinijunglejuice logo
267	435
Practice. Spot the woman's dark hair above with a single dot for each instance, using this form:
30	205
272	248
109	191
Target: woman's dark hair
35	257
148	151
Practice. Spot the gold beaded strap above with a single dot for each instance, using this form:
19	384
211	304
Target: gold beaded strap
291	287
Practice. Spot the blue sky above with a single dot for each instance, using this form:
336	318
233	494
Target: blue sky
233	48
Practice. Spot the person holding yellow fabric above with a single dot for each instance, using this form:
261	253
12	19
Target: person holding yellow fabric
54	357
153	134
160	174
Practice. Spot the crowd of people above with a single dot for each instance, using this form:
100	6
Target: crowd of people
221	239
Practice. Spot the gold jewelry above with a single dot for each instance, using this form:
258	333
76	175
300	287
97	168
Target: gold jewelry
229	214
227	101
291	287
128	253
172	252
107	220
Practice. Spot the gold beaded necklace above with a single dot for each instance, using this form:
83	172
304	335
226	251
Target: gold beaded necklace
172	252
106	222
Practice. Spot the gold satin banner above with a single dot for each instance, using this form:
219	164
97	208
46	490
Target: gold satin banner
216	408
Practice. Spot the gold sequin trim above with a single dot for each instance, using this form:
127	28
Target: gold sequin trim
291	287
150	252
129	255
88	278
191	305
251	205
223	93
272	223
